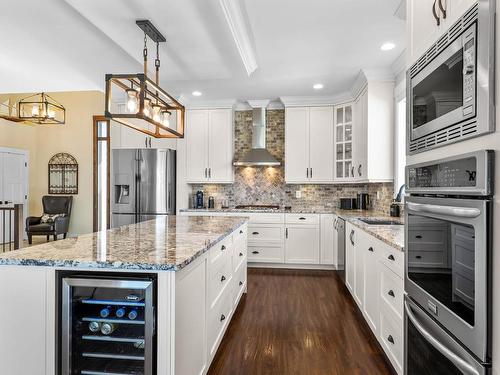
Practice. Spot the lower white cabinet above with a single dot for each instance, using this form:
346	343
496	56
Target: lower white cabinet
328	240
302	244
374	276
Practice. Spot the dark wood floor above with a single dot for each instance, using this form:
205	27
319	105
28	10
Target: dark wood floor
298	322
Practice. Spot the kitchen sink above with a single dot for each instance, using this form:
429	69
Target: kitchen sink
380	222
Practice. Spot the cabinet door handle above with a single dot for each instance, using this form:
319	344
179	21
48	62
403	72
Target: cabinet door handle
206	174
209	172
307	172
391	257
311	173
286	232
146	142
255	252
240	254
149	142
255	233
390	339
352	171
241	283
223	247
418	236
222	279
434	13
391	293
442	8
359	170
370	249
418	257
351	237
222	317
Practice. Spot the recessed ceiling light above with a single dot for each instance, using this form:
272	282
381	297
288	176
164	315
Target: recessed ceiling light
196	93
387	46
318	86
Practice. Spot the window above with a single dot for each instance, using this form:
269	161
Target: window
101	173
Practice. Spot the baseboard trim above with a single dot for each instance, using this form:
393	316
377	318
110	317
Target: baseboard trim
293	266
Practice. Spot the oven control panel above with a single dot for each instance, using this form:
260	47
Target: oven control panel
467	174
469	71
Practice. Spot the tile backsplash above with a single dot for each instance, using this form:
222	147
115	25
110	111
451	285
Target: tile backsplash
267	185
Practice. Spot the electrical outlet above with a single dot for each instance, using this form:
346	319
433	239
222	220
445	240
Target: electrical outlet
298	194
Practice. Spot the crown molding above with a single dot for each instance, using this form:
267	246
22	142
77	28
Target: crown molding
299	101
370	75
212	104
235	18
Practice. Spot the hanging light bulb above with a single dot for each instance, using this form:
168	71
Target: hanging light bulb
35	111
157	112
132	100
51	114
165	118
147	107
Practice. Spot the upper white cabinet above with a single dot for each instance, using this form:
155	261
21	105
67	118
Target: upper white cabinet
373	133
209	146
344	170
309	145
125	137
423	16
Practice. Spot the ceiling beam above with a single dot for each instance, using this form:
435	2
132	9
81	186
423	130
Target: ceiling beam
235	18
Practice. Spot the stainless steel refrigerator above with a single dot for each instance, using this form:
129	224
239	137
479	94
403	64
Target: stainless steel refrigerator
142	185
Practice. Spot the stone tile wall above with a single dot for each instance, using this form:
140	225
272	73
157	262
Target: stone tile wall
267	185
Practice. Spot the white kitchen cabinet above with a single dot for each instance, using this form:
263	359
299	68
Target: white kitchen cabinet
344	169
373	133
370	250
361	242
350	252
124	137
302	244
329	237
309	145
209	146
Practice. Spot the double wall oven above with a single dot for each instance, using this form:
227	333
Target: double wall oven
451	87
447	274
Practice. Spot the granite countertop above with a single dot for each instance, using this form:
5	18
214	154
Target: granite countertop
392	235
168	243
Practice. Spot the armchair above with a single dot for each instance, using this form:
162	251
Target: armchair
52	205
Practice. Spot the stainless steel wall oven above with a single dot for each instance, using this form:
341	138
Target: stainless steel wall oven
451	87
447	264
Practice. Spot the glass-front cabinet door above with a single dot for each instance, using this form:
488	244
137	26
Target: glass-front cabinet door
343	142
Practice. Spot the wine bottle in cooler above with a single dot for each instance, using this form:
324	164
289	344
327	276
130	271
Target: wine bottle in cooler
133	314
105	312
120	313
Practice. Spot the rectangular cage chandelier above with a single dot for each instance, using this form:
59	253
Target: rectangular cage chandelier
136	101
40	109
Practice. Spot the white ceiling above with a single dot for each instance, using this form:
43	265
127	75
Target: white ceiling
66	45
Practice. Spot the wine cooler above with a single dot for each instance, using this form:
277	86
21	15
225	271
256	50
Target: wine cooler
107	325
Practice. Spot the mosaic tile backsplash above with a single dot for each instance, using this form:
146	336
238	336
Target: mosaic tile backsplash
267	185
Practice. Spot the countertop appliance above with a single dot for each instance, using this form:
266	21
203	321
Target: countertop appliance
339	224
363	201
348	203
448	232
199	199
142	185
107	324
448	100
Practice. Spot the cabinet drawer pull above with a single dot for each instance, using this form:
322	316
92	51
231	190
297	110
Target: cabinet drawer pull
222	279
241	232
391	293
391	257
286	232
359	170
418	256
241	283
390	339
255	252
302	218
222	317
370	249
351	236
240	254
418	236
255	233
223	247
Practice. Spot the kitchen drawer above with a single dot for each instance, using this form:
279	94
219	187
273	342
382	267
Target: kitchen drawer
393	258
266	218
262	233
312	219
240	283
391	290
218	319
218	281
427	235
427	259
391	338
220	251
266	254
239	257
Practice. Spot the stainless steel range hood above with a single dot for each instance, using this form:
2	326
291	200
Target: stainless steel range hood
258	156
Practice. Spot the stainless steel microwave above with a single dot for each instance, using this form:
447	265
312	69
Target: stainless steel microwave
451	87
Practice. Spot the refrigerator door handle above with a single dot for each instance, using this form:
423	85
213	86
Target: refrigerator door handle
465	367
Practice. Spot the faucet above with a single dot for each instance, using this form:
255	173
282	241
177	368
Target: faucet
400	193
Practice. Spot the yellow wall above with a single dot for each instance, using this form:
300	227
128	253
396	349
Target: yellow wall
74	137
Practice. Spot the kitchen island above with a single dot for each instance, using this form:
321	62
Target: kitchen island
198	268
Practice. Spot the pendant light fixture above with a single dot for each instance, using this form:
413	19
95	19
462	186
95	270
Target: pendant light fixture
41	109
136	101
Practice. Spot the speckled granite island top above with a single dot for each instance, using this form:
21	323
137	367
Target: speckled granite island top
165	244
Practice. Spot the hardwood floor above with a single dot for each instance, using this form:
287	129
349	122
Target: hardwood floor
298	322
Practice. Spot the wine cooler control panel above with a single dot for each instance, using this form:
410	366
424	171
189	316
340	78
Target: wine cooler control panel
107	325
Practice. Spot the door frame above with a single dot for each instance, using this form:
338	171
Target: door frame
95	140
